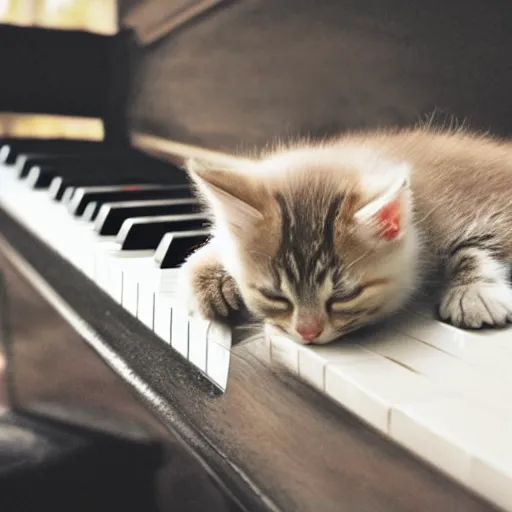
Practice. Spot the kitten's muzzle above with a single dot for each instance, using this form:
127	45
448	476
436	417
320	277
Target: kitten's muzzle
309	327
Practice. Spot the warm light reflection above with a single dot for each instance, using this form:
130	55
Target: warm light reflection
90	15
50	126
4	7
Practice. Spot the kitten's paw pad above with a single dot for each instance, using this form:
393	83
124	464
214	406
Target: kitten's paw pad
477	304
213	294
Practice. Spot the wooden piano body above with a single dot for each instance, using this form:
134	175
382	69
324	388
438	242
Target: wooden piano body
231	77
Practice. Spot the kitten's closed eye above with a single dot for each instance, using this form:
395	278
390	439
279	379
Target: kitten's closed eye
339	302
278	299
345	302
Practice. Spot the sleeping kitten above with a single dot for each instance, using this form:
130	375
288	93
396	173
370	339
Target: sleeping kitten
323	238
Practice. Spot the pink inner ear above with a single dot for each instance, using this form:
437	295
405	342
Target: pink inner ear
390	220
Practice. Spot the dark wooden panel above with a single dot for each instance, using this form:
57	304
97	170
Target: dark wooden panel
253	70
275	443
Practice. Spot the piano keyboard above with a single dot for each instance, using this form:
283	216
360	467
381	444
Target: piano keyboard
125	231
440	392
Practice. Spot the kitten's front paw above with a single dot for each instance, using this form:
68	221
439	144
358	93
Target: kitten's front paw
213	293
477	304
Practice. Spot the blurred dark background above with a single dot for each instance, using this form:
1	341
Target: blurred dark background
235	74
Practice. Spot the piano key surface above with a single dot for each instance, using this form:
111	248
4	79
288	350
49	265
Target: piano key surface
131	277
111	216
398	378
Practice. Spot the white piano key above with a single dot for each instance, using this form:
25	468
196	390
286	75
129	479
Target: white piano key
285	352
115	282
146	305
108	253
130	299
217	366
102	276
149	279
221	334
492	477
480	351
267	344
444	369
47	220
180	330
431	430
164	281
121	265
501	338
470	443
163	317
313	360
100	253
197	342
80	248
370	389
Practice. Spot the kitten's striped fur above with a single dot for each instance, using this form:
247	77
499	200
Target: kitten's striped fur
334	235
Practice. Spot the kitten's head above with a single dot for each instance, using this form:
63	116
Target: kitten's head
320	240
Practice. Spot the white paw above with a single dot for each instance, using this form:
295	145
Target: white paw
477	304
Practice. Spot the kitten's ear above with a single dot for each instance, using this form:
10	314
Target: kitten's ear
384	218
234	197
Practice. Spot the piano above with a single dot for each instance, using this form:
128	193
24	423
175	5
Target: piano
103	361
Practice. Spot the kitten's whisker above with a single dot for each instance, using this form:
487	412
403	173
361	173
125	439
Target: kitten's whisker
360	258
426	216
370	251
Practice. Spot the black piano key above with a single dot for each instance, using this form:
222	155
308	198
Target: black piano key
147	232
68	195
166	207
60	183
5	152
57	188
89	211
25	162
174	247
37	177
41	176
84	195
112	215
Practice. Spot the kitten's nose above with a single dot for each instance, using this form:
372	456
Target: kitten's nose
310	328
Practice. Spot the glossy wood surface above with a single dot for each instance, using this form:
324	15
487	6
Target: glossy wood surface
249	71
